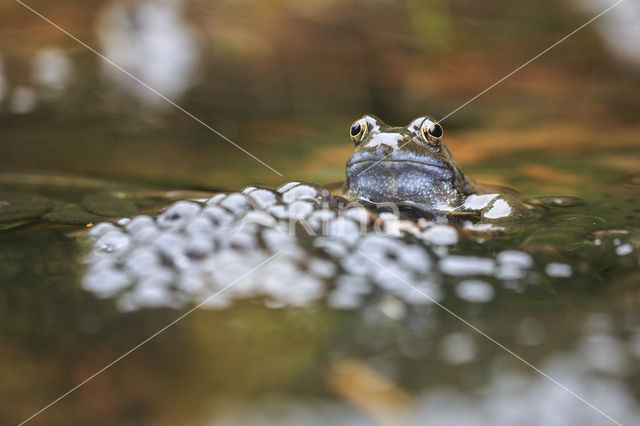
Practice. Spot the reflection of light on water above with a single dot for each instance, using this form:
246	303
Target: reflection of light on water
619	27
507	398
153	42
52	70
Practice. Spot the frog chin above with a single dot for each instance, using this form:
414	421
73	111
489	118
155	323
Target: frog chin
430	184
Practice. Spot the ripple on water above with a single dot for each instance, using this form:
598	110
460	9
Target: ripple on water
561	201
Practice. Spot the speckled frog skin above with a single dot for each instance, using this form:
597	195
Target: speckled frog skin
412	166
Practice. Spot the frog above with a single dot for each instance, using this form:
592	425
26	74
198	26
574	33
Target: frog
411	166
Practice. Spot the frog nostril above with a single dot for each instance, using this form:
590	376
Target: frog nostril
386	149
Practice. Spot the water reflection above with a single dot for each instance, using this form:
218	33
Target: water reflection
507	396
153	41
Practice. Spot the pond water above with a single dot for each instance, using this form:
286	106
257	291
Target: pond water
536	323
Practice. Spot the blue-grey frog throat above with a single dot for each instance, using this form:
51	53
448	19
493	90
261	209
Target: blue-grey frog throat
405	165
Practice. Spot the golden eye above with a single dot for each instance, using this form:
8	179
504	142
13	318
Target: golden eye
431	131
358	131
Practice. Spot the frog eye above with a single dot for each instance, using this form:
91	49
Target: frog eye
358	131
431	131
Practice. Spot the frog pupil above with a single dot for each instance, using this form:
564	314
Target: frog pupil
435	130
355	129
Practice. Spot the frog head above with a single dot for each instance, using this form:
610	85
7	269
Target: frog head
408	164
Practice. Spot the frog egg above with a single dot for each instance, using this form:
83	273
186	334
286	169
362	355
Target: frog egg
142	262
354	284
287	186
285	284
303	291
344	229
234	271
200	226
278	211
216	199
342	298
357	264
170	246
217	215
199	248
112	242
333	248
259	217
192	284
299	192
138	223
142	229
101	229
321	268
319	219
178	214
154	291
299	210
358	214
263	198
245	240
105	280
236	203
124	221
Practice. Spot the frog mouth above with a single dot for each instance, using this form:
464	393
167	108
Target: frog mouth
363	162
372	163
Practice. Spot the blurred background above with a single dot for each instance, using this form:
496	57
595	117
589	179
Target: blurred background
285	79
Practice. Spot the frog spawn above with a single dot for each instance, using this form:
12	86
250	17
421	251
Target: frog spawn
295	246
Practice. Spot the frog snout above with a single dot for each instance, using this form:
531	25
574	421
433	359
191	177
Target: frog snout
385	150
